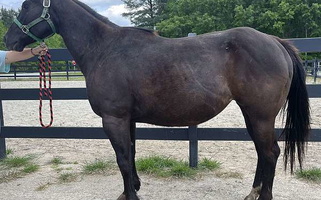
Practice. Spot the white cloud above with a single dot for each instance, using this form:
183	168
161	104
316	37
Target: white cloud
114	14
109	8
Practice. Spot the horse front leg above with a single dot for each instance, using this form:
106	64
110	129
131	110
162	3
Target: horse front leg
118	130
133	145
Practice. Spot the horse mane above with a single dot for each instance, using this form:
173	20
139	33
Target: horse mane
106	20
143	29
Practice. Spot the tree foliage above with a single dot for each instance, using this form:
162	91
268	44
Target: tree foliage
145	13
284	18
3	31
7	16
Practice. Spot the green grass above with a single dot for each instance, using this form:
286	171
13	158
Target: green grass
30	168
15	162
9	152
167	167
97	167
56	161
67	177
15	167
313	175
208	164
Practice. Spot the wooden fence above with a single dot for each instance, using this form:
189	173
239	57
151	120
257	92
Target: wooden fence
191	134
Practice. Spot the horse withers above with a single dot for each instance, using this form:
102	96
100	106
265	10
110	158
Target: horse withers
133	75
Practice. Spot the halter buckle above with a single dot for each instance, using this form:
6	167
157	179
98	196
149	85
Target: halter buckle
25	29
47	16
46	3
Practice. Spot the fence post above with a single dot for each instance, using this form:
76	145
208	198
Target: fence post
2	140
193	146
315	70
67	70
15	72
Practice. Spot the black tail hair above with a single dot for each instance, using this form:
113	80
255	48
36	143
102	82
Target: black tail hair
297	125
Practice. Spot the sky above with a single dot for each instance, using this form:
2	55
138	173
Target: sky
109	8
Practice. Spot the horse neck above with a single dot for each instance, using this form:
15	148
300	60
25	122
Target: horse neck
83	34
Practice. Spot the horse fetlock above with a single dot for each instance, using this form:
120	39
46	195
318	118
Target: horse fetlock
250	197
137	185
123	197
255	193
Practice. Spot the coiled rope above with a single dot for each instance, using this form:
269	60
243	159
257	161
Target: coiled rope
43	89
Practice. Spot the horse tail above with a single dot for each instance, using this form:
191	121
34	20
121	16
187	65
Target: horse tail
297	125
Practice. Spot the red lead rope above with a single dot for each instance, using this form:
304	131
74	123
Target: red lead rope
44	91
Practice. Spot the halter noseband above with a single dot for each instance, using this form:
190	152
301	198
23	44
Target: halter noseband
45	16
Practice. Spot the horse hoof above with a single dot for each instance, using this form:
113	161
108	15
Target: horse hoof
250	197
122	197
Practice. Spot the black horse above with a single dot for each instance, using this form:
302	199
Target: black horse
134	75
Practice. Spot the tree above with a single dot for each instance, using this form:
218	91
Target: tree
55	42
145	13
283	18
7	16
197	16
3	30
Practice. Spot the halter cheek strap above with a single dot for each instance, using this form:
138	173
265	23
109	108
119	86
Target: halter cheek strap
45	16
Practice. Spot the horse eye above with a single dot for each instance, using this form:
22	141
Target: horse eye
25	5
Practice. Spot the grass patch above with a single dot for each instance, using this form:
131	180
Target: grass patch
56	161
30	168
16	162
12	168
97	167
67	177
168	167
313	175
9	151
208	164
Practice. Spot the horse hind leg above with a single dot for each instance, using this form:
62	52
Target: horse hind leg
261	130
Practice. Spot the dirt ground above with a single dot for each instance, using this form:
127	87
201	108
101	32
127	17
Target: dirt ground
236	158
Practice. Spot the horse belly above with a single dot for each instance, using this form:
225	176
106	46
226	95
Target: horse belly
181	112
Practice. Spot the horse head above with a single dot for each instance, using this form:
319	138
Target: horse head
34	23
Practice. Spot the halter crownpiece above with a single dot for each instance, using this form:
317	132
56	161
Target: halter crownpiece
46	3
45	16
